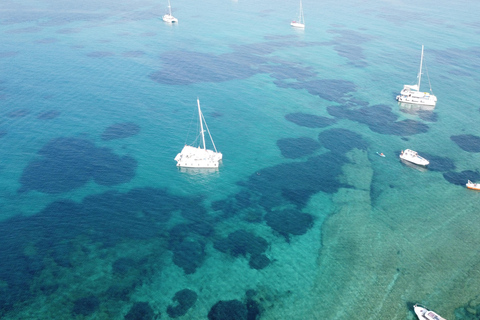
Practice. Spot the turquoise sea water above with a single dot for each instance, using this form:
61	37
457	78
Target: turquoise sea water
302	221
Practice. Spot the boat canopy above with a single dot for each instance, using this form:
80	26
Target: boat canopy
411	87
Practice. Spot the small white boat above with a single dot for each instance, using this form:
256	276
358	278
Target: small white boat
473	186
300	23
168	17
411	94
199	156
425	314
413	157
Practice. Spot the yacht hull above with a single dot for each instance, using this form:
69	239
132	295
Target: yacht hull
413	157
297	25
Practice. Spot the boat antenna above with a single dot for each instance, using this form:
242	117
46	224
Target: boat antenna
201	123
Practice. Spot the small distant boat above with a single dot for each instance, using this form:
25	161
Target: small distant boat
168	17
199	156
473	186
425	314
413	157
411	93
381	154
300	23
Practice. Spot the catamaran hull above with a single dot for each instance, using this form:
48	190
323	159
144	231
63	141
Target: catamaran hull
417	101
192	157
170	19
199	165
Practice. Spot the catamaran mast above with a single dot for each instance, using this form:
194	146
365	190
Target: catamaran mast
201	123
169	8
420	72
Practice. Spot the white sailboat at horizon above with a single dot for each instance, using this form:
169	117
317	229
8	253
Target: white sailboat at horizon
199	156
168	17
301	19
411	94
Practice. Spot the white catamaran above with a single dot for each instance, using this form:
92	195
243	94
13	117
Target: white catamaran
411	93
199	156
168	17
301	20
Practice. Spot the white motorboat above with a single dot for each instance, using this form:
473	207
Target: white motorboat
425	314
473	186
197	155
168	17
300	23
413	157
411	93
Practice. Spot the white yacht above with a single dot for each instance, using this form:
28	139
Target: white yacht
411	93
425	314
199	156
168	17
413	157
300	23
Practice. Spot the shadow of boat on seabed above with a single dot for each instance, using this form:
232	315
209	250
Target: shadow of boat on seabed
415	108
414	166
198	171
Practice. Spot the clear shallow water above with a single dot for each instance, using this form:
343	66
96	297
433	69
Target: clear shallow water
303	221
